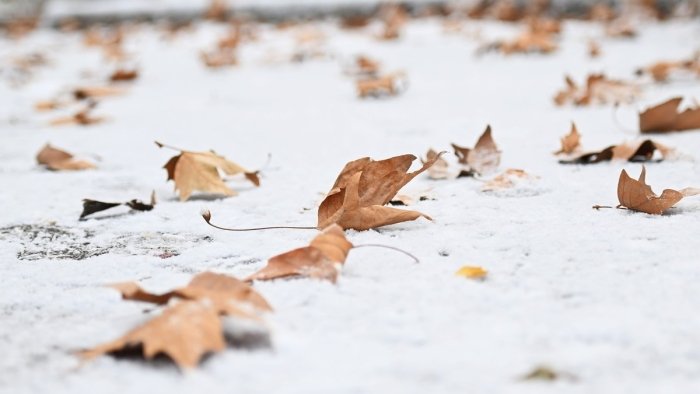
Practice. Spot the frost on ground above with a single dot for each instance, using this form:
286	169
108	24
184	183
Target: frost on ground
609	297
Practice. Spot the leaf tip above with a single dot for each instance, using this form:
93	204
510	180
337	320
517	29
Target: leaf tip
206	215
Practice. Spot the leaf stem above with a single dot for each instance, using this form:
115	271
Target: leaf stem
162	145
415	259
206	215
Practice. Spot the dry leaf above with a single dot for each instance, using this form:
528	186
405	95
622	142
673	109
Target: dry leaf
217	10
199	171
630	151
621	28
472	272
593	49
184	332
357	199
94	206
92	92
598	90
394	16
366	66
82	117
638	196
124	75
439	168
483	158
546	373
388	85
58	160
571	142
219	58
228	295
322	259
665	118
506	180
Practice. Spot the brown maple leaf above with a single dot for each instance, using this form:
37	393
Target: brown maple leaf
199	171
357	199
228	295
58	160
570	142
322	259
665	117
598	90
387	85
638	196
483	158
184	332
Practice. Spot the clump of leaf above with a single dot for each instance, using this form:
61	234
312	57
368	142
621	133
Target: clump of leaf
199	171
638	196
59	160
483	158
597	90
94	206
190	326
666	117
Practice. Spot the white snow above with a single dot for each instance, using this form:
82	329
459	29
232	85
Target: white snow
609	296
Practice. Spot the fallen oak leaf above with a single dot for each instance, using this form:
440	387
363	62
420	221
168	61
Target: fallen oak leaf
358	197
184	332
57	160
199	171
322	259
483	158
638	196
665	117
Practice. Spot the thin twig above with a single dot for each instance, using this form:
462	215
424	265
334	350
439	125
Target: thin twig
601	206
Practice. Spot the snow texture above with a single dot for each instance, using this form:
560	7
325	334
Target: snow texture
608	296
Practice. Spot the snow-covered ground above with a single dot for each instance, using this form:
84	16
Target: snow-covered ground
608	296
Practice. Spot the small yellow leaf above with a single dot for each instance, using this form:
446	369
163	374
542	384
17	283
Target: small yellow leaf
472	272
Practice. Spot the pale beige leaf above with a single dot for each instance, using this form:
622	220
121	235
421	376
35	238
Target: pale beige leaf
184	332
